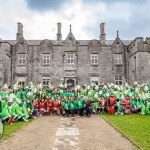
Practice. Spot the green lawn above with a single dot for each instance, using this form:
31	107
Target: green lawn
136	127
10	129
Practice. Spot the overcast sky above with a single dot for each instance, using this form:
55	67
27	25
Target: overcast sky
40	17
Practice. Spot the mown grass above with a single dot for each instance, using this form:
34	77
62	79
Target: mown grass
136	127
9	130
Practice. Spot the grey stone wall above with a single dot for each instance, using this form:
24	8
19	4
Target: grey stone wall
135	55
5	63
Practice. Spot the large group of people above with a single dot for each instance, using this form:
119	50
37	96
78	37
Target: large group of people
21	102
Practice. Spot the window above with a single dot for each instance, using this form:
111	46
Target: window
95	79
94	59
46	81
22	59
118	79
46	59
70	58
21	80
118	59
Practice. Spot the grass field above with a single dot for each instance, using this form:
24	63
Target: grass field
10	129
135	127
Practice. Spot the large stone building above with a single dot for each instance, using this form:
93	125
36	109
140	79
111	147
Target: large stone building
74	61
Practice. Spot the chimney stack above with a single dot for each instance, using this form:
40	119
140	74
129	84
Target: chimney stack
102	33
20	31
59	35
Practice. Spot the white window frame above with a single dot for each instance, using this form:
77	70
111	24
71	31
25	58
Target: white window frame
70	59
94	59
22	58
118	59
119	79
46	58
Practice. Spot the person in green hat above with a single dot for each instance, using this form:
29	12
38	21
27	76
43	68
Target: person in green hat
9	112
21	112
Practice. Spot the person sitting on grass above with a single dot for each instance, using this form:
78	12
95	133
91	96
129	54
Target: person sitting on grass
145	106
137	105
30	109
9	112
21	112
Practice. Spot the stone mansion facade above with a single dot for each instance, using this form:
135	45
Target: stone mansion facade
74	61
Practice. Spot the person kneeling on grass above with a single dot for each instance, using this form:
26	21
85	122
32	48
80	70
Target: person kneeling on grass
9	112
145	106
30	109
137	105
21	112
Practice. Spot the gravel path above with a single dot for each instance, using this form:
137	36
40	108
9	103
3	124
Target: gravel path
57	133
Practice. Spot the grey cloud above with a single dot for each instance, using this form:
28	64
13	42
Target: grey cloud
137	24
44	5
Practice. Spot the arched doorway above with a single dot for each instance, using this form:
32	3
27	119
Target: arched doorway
70	83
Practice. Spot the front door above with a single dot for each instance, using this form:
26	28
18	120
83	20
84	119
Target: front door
70	83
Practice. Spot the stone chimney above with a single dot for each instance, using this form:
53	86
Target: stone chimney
59	35
102	33
20	31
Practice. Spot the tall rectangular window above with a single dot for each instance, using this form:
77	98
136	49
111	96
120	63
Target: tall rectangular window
21	80
46	81
46	59
118	59
70	59
94	59
119	79
21	59
95	79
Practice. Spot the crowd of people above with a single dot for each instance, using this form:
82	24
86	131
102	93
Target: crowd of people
21	102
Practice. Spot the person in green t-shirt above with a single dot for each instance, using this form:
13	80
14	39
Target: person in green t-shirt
137	104
65	107
72	106
80	105
21	112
